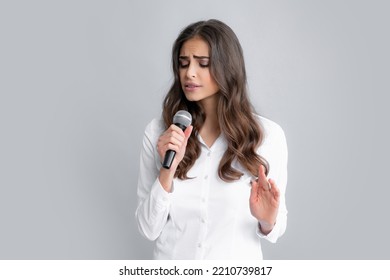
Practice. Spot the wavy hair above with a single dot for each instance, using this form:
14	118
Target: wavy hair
235	113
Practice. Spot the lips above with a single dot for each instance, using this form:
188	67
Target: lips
191	85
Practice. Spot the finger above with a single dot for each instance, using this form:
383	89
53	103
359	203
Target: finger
263	178
172	147
274	189
166	139
176	129
180	140
171	133
254	191
176	139
172	136
261	173
188	131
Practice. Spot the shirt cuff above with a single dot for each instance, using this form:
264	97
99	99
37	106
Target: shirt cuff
160	196
272	236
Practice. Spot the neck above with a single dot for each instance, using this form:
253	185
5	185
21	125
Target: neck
209	106
210	129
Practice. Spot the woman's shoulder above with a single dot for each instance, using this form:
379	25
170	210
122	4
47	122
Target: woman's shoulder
155	127
271	129
268	124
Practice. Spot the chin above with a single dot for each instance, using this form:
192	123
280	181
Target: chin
191	97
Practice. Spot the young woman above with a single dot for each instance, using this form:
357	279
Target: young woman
215	201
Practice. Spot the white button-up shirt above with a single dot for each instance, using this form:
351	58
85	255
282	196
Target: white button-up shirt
205	217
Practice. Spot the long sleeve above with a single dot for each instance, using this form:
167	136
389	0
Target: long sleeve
153	201
277	156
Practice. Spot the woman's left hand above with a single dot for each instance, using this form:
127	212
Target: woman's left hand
264	201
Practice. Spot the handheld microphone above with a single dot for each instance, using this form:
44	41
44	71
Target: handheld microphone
181	119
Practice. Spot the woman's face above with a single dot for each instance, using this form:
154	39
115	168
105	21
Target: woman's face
196	80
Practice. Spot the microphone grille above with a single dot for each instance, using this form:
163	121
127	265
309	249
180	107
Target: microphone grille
182	117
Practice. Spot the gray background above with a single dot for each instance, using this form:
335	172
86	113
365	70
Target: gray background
81	79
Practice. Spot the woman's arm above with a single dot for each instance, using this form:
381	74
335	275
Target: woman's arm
270	209
154	182
153	201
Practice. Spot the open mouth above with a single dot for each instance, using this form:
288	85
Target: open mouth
191	86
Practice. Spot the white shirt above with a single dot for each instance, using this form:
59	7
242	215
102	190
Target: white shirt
205	217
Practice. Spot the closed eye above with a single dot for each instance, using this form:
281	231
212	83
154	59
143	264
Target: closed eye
184	61
183	65
204	64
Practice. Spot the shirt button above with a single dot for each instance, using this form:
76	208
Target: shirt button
203	221
199	245
204	200
205	177
209	154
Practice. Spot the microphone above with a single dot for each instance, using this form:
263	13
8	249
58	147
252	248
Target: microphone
181	119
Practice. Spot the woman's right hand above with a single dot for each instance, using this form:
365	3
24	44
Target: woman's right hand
172	139
176	140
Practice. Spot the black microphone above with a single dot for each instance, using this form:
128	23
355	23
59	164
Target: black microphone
181	119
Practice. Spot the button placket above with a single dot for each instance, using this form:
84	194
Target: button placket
205	187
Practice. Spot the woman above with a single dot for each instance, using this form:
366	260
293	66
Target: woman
215	201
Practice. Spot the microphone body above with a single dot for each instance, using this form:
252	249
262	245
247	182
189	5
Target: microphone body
182	119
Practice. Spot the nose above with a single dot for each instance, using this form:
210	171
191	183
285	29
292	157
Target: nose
191	71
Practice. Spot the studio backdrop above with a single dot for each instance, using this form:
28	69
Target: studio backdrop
81	79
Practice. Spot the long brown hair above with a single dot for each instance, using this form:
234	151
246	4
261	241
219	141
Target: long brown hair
236	117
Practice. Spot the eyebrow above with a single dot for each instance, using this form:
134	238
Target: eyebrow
195	56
